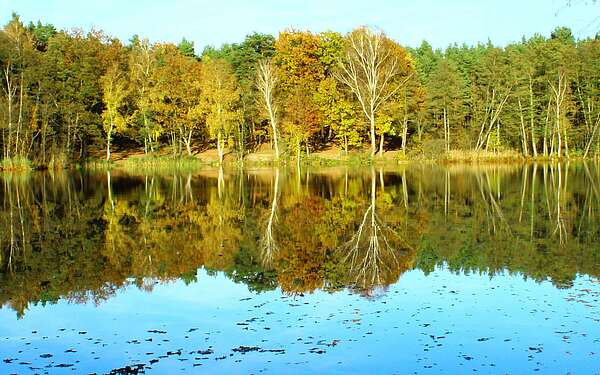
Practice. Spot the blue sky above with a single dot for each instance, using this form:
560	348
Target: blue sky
440	22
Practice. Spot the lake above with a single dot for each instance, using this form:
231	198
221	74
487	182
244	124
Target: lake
409	269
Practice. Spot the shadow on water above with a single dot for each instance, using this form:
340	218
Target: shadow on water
82	236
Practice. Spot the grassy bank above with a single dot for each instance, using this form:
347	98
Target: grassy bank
16	164
163	163
146	163
469	156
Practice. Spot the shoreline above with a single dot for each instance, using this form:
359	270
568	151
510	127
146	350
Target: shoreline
132	161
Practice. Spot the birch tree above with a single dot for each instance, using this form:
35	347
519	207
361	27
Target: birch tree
10	89
498	89
14	83
559	90
220	93
141	69
266	81
114	93
373	68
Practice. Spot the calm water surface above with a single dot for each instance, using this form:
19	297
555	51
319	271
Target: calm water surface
416	269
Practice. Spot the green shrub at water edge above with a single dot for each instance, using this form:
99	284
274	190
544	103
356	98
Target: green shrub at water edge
15	164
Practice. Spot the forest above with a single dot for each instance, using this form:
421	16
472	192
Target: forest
68	96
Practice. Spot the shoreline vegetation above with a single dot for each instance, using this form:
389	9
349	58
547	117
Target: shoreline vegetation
70	99
328	158
157	163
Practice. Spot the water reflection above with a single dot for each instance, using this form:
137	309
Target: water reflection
372	254
83	236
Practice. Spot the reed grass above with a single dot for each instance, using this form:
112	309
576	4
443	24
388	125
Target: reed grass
15	164
162	163
471	156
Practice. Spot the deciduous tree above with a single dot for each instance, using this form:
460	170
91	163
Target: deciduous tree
374	68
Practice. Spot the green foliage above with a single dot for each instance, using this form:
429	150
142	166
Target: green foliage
15	164
42	34
339	113
114	93
186	48
221	96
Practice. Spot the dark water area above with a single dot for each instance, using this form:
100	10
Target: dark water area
412	269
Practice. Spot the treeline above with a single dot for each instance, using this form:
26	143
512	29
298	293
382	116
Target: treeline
69	95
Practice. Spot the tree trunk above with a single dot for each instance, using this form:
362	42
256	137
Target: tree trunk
241	141
559	95
558	127
589	144
219	148
446	130
373	141
108	139
81	148
553	141
44	126
275	135
532	116
566	143
523	132
10	91
188	143
405	123
497	136
545	143
147	139
298	154
346	144
20	120
404	134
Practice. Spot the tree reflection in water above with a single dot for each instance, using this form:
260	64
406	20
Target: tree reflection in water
268	246
370	254
82	236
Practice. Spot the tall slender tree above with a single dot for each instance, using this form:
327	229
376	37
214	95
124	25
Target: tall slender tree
266	81
374	68
220	99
